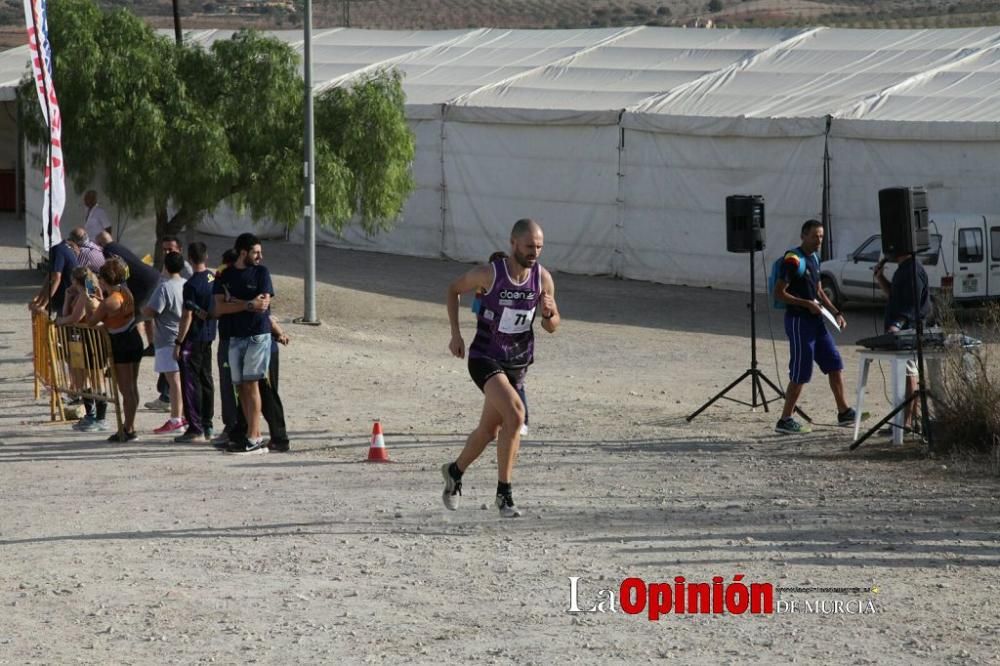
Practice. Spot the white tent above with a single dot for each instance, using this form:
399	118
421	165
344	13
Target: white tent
624	142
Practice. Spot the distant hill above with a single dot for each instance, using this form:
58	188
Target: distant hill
445	14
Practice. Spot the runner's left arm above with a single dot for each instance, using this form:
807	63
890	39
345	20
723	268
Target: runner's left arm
550	311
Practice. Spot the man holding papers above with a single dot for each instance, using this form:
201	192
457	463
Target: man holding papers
799	288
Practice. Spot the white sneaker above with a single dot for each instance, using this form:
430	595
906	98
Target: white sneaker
158	405
252	447
524	430
505	503
452	489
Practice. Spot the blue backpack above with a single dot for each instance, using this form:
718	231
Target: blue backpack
775	275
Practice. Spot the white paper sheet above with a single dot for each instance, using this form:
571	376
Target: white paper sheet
830	318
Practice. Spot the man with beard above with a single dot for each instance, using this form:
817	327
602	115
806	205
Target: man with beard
512	290
242	295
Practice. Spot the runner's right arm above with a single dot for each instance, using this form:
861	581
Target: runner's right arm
479	278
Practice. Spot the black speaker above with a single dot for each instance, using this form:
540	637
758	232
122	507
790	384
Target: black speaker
744	223
903	214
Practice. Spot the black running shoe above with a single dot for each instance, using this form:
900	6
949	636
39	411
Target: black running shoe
122	437
279	447
452	489
846	417
505	503
248	447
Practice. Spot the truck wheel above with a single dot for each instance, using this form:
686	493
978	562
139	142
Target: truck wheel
829	287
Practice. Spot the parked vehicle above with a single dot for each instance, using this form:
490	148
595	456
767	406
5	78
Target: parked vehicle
963	261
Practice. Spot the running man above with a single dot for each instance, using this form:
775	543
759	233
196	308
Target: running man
513	290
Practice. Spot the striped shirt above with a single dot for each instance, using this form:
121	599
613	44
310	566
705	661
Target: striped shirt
91	256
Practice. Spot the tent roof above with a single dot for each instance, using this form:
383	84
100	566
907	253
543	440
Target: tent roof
663	78
13	66
833	72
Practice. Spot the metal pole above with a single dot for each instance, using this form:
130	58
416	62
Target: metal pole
309	316
178	35
826	251
19	163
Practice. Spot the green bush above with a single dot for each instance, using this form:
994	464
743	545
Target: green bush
966	404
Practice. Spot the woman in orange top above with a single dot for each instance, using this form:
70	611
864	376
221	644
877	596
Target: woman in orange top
117	313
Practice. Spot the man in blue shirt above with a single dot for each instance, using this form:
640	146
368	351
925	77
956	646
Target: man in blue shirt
809	341
193	348
52	295
242	296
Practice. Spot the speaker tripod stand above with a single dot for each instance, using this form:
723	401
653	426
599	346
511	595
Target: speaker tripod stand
756	375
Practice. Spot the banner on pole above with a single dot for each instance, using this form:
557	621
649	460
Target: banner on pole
54	194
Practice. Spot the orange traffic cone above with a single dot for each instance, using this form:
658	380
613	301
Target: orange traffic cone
377	451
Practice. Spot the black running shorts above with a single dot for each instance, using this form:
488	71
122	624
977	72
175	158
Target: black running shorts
126	347
481	369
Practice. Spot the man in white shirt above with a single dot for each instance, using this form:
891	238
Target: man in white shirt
96	220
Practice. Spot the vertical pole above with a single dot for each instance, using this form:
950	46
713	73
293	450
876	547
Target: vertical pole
921	381
753	335
826	251
309	316
178	37
753	315
19	162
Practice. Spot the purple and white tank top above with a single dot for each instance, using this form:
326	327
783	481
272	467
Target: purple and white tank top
506	313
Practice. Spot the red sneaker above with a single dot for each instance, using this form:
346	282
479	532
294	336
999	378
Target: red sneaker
171	426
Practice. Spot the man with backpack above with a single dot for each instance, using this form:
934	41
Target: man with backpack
798	287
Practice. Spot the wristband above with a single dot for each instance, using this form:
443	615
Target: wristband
249	307
549	316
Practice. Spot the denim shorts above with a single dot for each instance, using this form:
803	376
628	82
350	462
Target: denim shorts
164	361
249	358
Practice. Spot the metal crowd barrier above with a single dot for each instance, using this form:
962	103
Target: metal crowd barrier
74	360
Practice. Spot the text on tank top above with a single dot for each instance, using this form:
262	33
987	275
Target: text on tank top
506	313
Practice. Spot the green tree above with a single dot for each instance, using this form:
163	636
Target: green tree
188	127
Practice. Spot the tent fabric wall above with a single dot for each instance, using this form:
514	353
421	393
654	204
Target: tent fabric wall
675	189
959	176
565	177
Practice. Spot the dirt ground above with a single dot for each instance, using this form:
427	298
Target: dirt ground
155	552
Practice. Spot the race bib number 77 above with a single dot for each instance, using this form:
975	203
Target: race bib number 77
516	321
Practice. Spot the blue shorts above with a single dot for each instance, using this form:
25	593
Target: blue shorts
810	341
249	358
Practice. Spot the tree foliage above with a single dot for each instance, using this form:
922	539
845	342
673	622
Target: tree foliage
189	127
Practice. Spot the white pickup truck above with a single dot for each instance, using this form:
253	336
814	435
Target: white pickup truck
963	260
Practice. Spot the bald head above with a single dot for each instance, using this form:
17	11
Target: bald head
524	227
78	235
103	238
526	242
